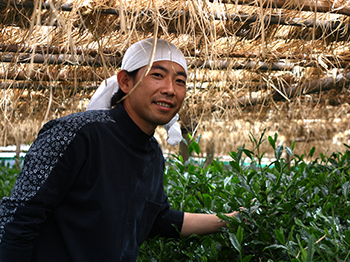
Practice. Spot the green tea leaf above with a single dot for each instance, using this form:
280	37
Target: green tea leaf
248	153
278	152
345	189
327	232
302	250
247	258
298	222
278	166
213	249
195	147
240	234
234	242
191	169
261	140
235	165
227	180
275	246
327	249
189	136
235	180
252	139
347	236
239	154
280	236
265	237
218	166
272	142
207	199
190	149
189	199
311	249
233	154
289	151
290	236
181	160
312	151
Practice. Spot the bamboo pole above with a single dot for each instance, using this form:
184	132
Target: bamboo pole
44	87
60	59
314	86
307	87
219	64
54	75
323	6
117	53
57	50
97	62
280	19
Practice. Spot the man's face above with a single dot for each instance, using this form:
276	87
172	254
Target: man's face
158	97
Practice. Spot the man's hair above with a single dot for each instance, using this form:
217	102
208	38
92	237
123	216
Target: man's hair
118	96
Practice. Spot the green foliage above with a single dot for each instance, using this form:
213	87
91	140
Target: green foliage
294	211
8	176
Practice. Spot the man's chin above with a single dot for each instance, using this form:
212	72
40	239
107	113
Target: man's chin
163	122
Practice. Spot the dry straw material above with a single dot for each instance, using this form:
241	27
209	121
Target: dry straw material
253	65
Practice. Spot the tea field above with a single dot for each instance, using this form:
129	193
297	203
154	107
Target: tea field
297	210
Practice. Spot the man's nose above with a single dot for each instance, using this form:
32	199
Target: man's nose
169	87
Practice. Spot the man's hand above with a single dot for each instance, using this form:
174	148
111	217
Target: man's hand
203	224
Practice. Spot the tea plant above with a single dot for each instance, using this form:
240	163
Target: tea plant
294	211
8	176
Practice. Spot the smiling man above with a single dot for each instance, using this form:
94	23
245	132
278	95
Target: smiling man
157	98
91	188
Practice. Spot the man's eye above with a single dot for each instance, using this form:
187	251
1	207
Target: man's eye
157	74
181	81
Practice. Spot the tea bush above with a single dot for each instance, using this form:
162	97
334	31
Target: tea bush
295	211
8	176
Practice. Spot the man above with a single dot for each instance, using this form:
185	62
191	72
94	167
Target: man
91	187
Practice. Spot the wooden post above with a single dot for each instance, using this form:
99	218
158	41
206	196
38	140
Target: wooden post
188	124
183	148
210	150
18	151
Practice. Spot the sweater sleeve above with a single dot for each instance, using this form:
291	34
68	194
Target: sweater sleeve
50	169
9	255
168	223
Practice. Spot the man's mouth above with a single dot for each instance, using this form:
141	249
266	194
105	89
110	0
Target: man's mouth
163	104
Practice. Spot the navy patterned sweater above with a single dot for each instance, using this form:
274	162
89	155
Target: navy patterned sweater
91	189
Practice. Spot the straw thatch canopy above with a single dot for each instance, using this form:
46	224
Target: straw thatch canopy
279	65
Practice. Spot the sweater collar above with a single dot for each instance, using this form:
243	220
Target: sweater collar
131	131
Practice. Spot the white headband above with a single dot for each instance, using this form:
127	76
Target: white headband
139	55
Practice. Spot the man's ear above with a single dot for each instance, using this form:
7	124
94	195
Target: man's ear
125	82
